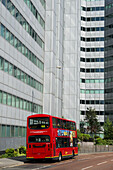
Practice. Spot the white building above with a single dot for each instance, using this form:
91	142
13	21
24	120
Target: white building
22	43
92	58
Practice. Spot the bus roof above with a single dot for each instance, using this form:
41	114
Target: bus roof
47	115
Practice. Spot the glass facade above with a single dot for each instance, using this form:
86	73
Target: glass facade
12	131
108	59
21	47
18	16
92	58
14	101
19	74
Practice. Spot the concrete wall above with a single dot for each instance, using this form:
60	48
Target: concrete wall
89	147
15	142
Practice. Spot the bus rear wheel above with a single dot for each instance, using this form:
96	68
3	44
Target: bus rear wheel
73	154
60	157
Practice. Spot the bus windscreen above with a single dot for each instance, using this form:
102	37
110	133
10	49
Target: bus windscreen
39	123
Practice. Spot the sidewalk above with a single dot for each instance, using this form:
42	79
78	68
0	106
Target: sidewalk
10	162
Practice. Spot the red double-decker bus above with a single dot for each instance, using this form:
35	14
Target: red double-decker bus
50	137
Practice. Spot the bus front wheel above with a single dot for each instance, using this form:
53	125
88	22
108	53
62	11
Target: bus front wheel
60	157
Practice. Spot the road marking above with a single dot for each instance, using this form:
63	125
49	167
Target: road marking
87	167
102	163
99	156
83	159
110	155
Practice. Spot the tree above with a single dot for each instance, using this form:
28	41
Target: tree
93	126
108	129
82	129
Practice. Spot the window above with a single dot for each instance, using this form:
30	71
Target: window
9	5
87	91
11	39
12	10
12	131
62	142
4	2
0	96
23	49
101	80
17	102
7	35
92	81
21	103
19	46
18	75
13	101
4	98
10	69
22	76
96	81
15	42
23	131
39	138
3	130
20	131
1	63
16	131
39	123
24	105
64	125
9	100
6	66
2	31
7	131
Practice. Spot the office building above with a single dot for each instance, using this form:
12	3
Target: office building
92	58
22	41
109	59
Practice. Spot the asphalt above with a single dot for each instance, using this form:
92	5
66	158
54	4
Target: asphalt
16	161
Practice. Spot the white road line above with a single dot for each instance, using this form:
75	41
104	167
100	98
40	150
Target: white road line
110	155
99	156
102	163
87	167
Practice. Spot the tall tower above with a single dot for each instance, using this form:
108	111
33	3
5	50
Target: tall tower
71	60
92	58
109	59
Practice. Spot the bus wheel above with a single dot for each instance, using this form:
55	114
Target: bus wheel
60	157
73	154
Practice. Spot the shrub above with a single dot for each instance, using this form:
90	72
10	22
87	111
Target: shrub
22	150
91	139
4	156
109	142
10	152
100	141
78	147
84	137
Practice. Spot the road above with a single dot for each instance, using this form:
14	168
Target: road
100	161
